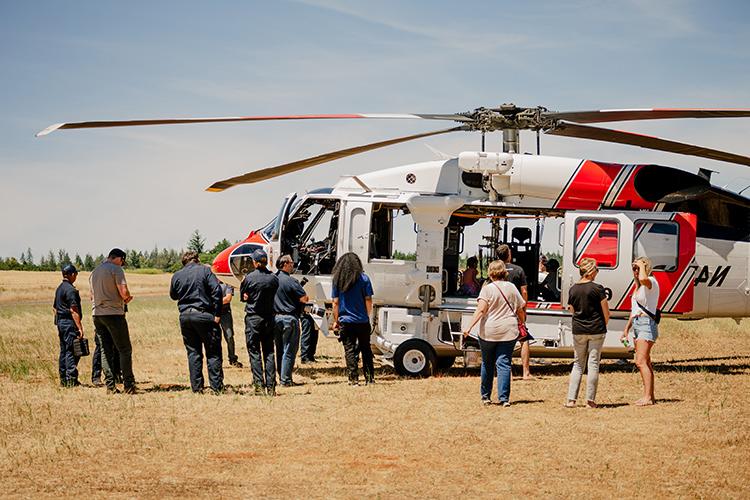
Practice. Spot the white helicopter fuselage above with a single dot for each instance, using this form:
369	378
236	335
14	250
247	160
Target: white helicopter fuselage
611	212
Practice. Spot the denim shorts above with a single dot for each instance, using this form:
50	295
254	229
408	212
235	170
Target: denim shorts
645	328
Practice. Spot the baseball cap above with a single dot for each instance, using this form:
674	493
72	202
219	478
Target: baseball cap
69	269
116	252
260	255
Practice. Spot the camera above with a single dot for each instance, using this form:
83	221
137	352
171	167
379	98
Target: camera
304	281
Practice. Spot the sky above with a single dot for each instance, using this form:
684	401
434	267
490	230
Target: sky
90	190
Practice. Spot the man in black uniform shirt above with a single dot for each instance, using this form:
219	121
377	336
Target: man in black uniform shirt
290	297
258	291
199	299
517	276
67	307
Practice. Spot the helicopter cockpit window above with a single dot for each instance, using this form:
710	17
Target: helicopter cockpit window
310	236
391	233
598	239
657	240
240	260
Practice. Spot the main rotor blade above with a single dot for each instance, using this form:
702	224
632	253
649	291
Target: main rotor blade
644	141
173	121
268	173
620	115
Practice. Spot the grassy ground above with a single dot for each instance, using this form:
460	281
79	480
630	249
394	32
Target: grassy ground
409	438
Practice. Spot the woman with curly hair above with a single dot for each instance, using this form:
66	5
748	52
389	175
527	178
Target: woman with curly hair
352	306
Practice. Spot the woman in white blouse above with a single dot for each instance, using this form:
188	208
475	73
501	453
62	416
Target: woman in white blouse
644	305
500	308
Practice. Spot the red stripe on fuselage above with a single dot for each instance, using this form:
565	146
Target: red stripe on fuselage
591	183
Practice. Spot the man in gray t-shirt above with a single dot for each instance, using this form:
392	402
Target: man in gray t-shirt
109	294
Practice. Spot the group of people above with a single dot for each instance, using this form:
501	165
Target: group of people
274	305
109	299
501	315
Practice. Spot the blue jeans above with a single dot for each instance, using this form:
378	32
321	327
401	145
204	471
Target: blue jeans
286	336
496	358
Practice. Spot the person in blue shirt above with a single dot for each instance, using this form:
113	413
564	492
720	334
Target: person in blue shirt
352	306
287	306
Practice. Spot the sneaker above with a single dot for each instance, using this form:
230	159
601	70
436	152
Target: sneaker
97	383
131	390
236	364
486	402
505	404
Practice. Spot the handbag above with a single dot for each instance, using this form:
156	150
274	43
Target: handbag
523	330
81	347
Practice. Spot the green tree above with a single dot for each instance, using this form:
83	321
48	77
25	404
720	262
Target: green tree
197	242
88	263
51	262
78	262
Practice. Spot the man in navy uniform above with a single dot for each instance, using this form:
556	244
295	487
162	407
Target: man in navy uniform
227	322
288	302
199	300
67	307
258	291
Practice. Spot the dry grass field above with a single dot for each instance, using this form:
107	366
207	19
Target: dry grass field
400	437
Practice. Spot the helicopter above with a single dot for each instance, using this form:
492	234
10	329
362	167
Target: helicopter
697	234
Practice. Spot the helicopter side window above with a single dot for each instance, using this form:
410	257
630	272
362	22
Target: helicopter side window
391	233
657	240
598	239
310	236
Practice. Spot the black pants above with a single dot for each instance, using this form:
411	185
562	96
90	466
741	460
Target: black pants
114	335
259	338
67	331
199	332
309	338
96	363
356	340
227	326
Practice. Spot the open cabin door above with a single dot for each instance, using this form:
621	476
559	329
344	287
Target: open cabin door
615	239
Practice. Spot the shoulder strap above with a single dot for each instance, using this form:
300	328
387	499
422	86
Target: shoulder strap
650	314
505	298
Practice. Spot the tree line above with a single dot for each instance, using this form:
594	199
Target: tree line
164	259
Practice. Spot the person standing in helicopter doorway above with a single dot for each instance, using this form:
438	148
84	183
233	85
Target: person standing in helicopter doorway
517	276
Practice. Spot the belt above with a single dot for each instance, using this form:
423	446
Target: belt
193	310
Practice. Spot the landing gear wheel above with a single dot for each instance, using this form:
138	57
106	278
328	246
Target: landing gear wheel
414	358
444	363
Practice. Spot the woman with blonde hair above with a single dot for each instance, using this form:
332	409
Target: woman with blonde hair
644	307
588	303
500	308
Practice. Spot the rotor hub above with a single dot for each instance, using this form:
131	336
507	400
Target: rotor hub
509	116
